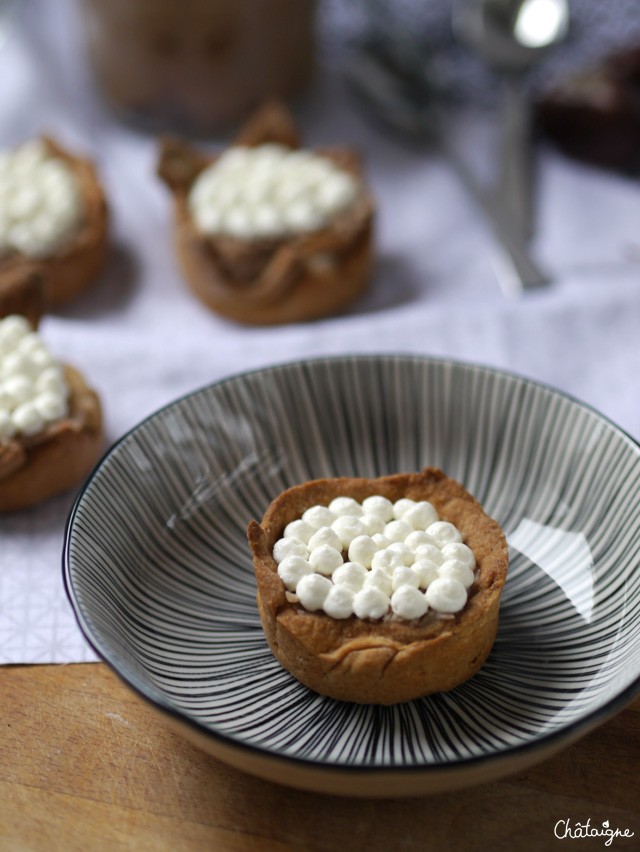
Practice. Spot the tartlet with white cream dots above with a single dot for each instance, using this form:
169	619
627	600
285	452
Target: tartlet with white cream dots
267	231
53	218
380	590
51	431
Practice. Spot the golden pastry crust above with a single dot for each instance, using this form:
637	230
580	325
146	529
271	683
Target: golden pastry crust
390	660
22	292
75	265
58	458
271	281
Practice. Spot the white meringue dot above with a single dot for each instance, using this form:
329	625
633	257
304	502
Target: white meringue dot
373	524
417	538
312	591
291	570
345	506
318	516
397	530
325	559
458	570
404	576
289	547
379	506
446	595
299	529
351	574
348	527
380	541
429	552
387	560
442	532
27	419
460	551
362	549
409	602
405	553
325	535
426	572
421	515
379	579
339	602
402	506
370	603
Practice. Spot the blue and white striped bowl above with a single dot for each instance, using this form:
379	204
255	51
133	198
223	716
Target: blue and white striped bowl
160	577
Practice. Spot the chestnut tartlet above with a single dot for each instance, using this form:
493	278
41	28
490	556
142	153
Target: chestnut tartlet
272	251
382	658
51	429
67	265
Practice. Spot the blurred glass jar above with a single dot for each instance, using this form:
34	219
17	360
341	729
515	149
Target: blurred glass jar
198	66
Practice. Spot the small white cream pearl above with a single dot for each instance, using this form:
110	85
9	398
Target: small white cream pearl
380	506
417	538
404	576
291	570
289	547
446	595
362	549
312	591
300	530
348	527
401	506
339	602
345	506
370	603
373	524
442	532
421	515
387	560
406	554
409	602
377	578
318	516
397	530
426	572
351	574
27	419
430	553
458	570
325	559
325	535
458	550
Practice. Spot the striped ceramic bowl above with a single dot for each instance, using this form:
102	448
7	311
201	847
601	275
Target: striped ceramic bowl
159	575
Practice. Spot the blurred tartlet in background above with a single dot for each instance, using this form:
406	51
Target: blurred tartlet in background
269	232
53	221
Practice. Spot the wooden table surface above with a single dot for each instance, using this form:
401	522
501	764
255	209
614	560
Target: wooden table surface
86	765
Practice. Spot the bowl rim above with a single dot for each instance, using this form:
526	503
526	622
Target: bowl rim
551	740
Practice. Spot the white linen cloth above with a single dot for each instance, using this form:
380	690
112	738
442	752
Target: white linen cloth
142	340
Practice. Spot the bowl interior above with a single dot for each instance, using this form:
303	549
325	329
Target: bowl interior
161	580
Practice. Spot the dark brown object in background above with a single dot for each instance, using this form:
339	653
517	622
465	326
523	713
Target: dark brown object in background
594	115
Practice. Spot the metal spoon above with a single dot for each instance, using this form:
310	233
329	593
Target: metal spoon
512	36
403	103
